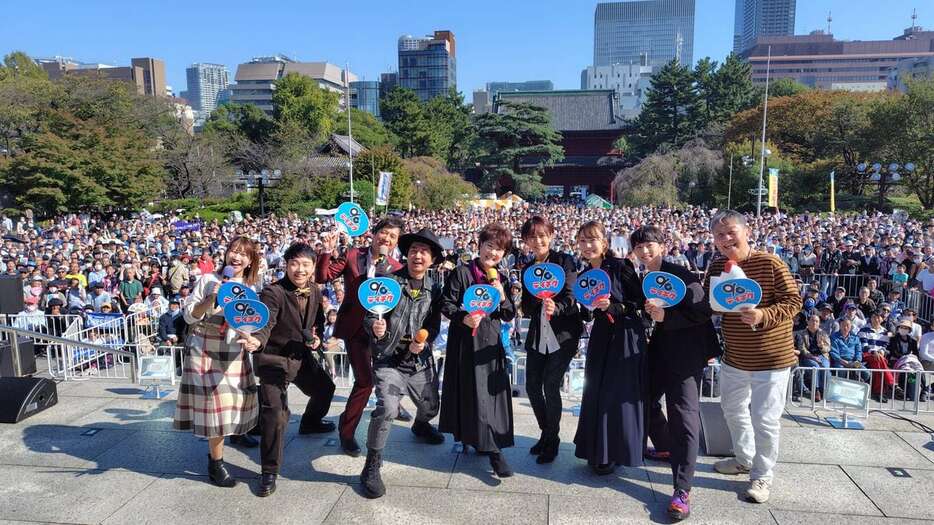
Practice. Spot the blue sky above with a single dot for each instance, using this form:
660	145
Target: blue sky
505	40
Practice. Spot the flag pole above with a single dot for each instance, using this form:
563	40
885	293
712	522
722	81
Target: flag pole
349	130
765	113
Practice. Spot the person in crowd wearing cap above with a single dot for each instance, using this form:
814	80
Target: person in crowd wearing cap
759	353
99	297
813	348
170	324
156	302
838	300
179	274
355	266
875	339
827	321
402	359
682	343
98	273
903	355
217	397
853	313
31	318
911	316
288	347
476	402
554	332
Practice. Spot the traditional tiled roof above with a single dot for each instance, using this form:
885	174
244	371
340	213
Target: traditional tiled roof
571	110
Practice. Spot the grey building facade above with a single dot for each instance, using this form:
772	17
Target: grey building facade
755	18
364	95
205	82
660	29
428	65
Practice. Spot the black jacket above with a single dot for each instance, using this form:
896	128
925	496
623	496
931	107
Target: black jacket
282	342
686	339
407	318
566	321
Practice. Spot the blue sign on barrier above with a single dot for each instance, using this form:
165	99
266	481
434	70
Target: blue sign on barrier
246	315
543	280
379	295
231	291
734	295
352	217
590	286
665	287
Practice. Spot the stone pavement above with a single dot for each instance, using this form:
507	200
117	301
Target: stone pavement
103	455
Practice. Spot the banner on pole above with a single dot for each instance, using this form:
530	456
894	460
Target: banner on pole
773	187
382	189
833	195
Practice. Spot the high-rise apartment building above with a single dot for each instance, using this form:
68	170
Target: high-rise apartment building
364	95
428	65
755	18
661	30
255	79
205	82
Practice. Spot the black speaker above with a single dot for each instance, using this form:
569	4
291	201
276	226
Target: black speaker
27	357
11	294
21	397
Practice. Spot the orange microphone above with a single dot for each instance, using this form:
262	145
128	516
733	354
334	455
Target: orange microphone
492	275
421	336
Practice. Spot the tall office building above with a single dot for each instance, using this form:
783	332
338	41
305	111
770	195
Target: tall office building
659	29
631	82
205	82
255	79
147	75
364	95
755	18
387	82
428	65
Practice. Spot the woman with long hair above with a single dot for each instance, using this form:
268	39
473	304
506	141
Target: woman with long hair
476	401
611	425
555	329
217	397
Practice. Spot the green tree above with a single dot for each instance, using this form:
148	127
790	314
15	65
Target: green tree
367	129
245	119
451	131
784	87
705	84
731	89
516	145
404	115
903	127
435	187
298	102
367	166
669	115
18	65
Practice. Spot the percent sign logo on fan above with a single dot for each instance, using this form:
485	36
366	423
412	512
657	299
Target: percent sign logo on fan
737	294
543	280
246	315
231	291
590	286
353	219
664	287
481	299
379	295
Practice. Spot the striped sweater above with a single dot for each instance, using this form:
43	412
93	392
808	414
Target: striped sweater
771	345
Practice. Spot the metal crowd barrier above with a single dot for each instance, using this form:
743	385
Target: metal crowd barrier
72	359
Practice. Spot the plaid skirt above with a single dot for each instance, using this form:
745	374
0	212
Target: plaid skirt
217	396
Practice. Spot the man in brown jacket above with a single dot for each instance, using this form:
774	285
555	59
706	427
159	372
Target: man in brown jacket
287	345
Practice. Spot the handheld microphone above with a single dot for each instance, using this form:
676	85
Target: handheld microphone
383	254
492	275
228	273
421	336
308	335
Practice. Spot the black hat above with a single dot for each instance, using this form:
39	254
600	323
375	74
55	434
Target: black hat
424	236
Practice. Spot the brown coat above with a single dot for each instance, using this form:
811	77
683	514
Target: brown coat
283	344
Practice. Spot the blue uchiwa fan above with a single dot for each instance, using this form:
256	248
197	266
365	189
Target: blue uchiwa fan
246	315
735	295
665	287
379	295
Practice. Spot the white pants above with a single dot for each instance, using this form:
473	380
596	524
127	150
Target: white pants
752	404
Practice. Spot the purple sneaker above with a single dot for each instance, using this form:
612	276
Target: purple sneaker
680	506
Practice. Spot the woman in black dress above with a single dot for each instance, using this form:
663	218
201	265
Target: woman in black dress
611	425
476	400
549	354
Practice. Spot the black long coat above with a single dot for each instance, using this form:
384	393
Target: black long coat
476	397
611	424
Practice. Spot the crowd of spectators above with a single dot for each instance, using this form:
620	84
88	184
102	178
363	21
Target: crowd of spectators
856	271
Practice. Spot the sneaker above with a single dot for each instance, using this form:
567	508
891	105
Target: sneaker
758	491
730	466
680	506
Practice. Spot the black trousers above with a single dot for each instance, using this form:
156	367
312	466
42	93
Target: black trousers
679	434
544	375
274	412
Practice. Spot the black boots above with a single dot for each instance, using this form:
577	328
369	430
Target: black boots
267	484
218	473
427	433
316	427
372	482
537	447
549	451
500	467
